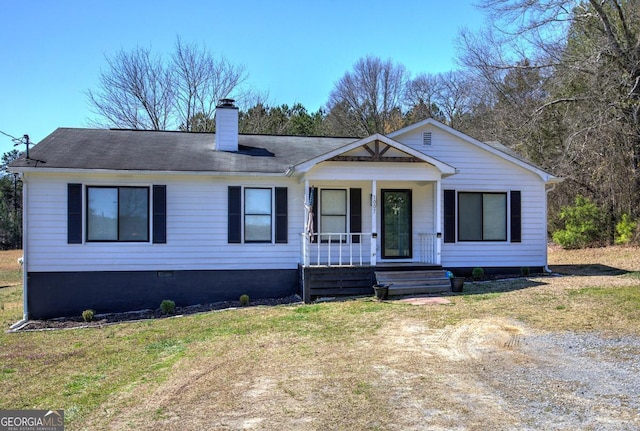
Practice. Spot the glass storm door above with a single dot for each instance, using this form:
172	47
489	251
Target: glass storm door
396	224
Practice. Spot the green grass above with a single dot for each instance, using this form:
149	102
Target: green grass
482	296
626	296
80	370
87	372
10	287
633	275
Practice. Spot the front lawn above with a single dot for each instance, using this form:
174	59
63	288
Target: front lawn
318	364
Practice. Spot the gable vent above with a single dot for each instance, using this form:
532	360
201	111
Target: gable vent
426	138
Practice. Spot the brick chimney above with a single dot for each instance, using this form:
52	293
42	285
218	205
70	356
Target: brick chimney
226	126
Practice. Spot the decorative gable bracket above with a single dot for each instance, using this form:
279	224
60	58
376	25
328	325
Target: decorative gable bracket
376	155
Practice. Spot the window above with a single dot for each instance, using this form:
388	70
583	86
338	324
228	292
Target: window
333	211
482	216
118	214
257	215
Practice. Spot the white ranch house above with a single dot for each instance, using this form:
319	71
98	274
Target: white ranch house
119	220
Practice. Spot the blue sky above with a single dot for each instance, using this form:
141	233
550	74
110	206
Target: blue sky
53	51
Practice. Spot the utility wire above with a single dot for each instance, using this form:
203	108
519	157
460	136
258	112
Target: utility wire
13	138
23	141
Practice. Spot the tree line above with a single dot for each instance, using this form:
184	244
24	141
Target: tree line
10	205
558	81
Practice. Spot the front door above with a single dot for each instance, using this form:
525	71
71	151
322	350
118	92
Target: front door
396	224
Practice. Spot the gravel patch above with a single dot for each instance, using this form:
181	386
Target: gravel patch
498	374
576	381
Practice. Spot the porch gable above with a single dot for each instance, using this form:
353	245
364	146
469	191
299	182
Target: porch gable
375	148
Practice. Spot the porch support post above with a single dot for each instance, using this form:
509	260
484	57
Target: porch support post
438	218
374	222
305	240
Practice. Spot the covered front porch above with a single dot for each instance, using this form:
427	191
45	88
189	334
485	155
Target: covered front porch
374	200
395	230
373	203
370	205
383	222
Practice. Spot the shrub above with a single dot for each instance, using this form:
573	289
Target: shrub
583	225
167	306
244	300
477	273
525	271
88	315
625	229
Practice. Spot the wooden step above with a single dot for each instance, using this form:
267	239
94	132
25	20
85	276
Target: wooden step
419	289
412	282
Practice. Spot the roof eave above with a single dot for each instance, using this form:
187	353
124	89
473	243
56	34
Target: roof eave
145	172
553	180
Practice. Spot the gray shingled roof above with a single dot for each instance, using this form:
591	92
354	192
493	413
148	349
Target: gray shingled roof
143	150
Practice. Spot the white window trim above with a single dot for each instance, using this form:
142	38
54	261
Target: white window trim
107	184
508	218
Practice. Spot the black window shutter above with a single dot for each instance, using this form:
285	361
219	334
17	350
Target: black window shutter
159	214
74	213
449	216
355	217
282	227
234	224
516	216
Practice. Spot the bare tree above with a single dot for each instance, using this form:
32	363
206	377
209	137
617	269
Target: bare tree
141	91
136	91
368	99
421	96
448	96
581	61
201	81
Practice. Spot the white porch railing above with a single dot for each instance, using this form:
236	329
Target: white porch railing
355	249
336	249
429	248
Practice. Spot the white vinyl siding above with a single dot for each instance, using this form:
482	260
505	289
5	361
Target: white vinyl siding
196	228
197	213
480	171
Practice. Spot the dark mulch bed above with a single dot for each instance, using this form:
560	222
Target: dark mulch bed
111	318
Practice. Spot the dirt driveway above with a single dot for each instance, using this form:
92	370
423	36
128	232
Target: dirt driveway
480	374
496	374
